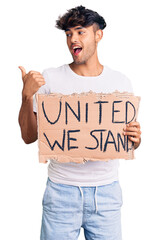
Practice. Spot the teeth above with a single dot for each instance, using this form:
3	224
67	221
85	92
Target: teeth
76	47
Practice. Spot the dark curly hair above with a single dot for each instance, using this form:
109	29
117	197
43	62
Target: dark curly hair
80	16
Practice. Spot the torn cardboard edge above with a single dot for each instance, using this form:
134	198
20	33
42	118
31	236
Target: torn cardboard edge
65	158
78	160
115	93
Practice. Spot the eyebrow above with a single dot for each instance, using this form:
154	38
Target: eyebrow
77	28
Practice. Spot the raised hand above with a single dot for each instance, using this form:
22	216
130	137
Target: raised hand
32	81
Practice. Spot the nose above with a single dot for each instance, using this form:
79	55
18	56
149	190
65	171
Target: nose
74	38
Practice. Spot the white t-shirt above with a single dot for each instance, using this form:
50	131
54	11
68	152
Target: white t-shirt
65	81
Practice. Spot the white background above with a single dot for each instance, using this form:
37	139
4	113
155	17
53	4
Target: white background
130	45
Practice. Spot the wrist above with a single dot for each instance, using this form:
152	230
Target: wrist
26	97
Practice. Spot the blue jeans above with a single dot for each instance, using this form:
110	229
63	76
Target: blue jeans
67	208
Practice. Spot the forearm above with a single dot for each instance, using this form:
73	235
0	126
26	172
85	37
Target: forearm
28	121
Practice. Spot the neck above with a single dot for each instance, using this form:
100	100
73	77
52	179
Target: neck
89	68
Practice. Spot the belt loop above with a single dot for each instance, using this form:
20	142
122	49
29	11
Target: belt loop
81	194
96	199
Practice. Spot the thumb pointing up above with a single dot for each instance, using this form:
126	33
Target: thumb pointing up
23	71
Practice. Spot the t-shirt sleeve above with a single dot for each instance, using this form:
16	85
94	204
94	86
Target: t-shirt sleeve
127	84
42	90
119	82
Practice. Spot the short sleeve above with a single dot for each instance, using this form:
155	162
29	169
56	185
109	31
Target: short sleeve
43	89
128	85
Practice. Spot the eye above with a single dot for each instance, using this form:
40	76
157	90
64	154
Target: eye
81	32
68	34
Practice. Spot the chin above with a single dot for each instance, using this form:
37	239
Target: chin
79	62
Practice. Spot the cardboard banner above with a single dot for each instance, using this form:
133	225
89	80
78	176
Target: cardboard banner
85	126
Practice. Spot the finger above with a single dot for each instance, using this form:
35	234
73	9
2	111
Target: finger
133	124
39	78
36	75
23	71
135	134
133	139
133	129
41	83
35	72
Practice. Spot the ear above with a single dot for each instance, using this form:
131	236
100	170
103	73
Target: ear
99	35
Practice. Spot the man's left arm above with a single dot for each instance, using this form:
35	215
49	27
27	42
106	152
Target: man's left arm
132	130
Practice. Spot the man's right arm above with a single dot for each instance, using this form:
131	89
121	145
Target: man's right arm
27	118
28	121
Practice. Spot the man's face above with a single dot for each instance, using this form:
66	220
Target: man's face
81	42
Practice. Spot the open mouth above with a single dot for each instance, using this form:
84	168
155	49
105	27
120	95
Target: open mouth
77	50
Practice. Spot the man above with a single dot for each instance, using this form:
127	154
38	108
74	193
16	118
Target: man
78	195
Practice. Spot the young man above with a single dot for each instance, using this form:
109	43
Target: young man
78	195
